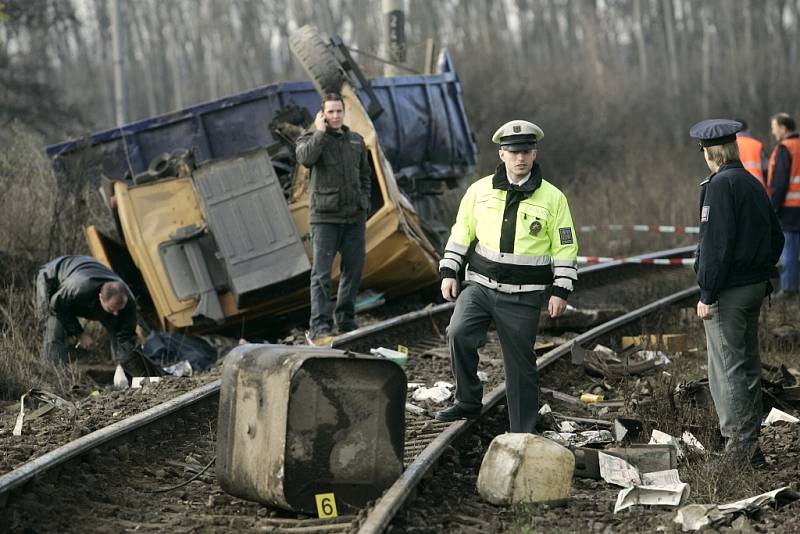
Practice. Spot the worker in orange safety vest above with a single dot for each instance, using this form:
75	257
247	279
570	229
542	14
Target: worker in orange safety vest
783	186
751	153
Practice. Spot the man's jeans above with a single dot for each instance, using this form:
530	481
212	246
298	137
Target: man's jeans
734	365
789	262
326	241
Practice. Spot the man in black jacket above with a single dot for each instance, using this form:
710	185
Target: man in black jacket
339	206
70	287
740	243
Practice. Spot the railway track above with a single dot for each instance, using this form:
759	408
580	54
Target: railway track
121	476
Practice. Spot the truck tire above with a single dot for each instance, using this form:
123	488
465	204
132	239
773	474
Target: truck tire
317	59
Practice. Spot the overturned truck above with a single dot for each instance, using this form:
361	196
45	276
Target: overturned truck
211	210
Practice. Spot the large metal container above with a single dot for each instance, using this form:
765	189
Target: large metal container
295	422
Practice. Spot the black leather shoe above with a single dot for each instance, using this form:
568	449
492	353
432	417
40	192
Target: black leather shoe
456	412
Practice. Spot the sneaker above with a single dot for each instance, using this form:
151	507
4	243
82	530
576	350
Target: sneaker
456	412
322	339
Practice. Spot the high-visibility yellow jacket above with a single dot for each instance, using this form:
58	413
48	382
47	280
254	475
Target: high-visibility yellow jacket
514	238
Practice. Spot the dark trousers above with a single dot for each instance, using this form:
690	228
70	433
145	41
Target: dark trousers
734	364
789	262
54	343
516	318
326	241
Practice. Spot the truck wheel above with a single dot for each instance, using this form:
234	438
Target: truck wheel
317	59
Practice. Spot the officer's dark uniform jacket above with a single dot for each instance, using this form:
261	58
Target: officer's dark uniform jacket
740	236
513	238
340	175
72	288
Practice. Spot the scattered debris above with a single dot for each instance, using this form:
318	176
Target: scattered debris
626	427
440	392
697	516
580	439
120	379
602	361
669	342
561	396
689	439
647	458
400	358
662	438
662	488
51	401
140	381
182	368
776	415
615	470
483	377
416	410
589	398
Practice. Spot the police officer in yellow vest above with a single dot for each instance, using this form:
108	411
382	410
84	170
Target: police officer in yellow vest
512	239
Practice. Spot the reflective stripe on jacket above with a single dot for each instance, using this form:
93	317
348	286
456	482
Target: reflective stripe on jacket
751	152
537	248
792	198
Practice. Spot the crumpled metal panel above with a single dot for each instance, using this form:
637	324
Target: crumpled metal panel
251	224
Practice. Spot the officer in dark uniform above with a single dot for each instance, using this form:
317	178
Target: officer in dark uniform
740	244
80	286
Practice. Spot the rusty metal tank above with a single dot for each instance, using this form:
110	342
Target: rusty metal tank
296	422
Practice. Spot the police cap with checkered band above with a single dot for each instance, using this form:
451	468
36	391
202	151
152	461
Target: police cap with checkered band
518	135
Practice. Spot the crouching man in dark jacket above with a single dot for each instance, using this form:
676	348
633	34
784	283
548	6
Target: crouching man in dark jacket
70	287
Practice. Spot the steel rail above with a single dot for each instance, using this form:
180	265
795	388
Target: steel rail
366	331
391	502
29	470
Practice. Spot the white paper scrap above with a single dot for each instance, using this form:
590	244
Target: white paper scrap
435	394
672	495
567	426
617	471
689	439
545	409
139	381
662	438
776	415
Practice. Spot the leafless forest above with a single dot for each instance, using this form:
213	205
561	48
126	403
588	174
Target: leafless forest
615	84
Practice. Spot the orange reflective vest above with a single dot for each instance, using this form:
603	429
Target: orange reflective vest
750	151
792	144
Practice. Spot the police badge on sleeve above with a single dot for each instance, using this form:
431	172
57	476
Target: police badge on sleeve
566	235
704	213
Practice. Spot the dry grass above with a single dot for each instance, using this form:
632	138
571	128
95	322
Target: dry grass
40	218
21	367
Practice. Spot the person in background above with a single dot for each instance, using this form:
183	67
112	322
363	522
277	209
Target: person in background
751	153
513	239
339	207
70	287
740	243
783	184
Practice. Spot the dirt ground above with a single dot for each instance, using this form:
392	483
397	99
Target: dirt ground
449	502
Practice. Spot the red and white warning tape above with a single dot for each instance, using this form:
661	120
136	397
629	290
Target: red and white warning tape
646	261
664	229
